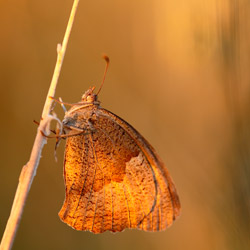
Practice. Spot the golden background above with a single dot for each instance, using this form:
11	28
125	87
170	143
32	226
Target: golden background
179	74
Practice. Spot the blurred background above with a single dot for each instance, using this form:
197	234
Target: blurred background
179	74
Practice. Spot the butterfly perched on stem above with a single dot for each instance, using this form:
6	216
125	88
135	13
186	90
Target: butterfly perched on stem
114	178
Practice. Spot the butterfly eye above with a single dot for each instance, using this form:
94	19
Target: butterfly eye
89	98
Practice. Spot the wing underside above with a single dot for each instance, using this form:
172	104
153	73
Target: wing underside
114	180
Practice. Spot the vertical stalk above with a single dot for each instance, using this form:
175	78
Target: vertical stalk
29	170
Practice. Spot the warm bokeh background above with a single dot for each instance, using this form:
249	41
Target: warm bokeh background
179	73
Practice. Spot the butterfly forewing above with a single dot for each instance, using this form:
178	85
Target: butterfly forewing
113	177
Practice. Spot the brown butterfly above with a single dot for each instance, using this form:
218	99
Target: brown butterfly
114	179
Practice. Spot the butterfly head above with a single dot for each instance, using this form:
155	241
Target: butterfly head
89	96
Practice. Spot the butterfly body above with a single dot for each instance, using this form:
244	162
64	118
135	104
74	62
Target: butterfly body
114	179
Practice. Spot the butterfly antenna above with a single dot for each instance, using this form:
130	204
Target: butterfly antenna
106	58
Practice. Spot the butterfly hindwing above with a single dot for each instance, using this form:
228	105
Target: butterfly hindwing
113	177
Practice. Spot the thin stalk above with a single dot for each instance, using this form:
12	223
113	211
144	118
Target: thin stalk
29	170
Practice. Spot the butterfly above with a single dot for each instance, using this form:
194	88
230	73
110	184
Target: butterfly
113	177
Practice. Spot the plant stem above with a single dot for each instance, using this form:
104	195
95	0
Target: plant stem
29	170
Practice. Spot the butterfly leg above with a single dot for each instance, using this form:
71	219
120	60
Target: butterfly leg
62	105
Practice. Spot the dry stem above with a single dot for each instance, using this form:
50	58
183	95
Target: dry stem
29	170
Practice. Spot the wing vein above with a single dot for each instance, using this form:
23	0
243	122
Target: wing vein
82	186
127	206
84	218
97	198
112	206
